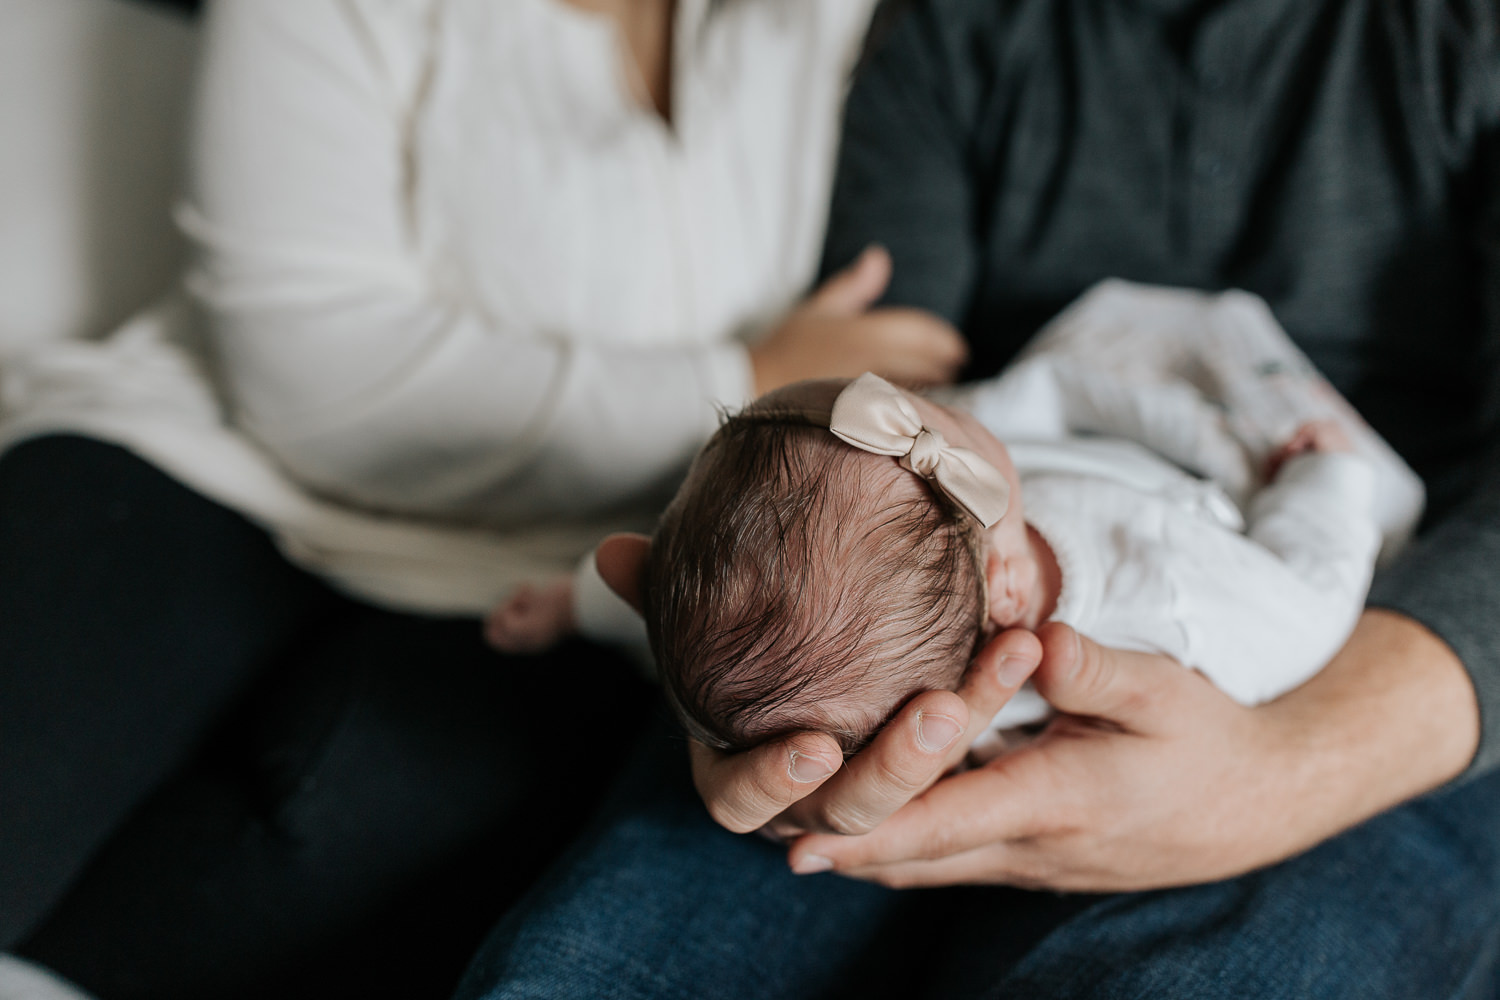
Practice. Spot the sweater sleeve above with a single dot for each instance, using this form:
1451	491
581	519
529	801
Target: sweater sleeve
1449	578
341	350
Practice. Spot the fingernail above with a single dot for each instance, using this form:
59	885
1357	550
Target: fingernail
1014	670
808	769
935	732
811	864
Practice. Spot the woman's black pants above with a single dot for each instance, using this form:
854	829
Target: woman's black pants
220	778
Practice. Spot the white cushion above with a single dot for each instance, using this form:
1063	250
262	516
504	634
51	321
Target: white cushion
93	95
23	981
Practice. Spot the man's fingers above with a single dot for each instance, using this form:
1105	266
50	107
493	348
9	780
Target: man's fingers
745	791
998	671
987	865
962	813
1080	677
858	286
906	756
927	738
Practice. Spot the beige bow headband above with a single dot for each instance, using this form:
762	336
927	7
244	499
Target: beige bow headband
875	416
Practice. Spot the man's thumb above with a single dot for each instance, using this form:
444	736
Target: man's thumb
858	286
1080	677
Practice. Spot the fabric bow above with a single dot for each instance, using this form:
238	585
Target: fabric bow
875	416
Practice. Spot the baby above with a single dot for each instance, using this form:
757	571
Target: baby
822	561
838	547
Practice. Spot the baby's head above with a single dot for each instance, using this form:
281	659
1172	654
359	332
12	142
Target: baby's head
800	582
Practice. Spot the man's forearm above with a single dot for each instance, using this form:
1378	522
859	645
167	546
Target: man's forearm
1392	717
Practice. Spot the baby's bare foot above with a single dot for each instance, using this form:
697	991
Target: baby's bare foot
534	619
1320	436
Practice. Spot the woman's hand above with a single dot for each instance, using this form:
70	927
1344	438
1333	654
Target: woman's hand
1153	777
836	334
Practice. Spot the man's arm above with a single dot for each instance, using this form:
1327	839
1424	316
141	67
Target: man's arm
1155	778
1449	581
1449	578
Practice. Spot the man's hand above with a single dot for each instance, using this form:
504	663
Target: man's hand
799	783
1154	778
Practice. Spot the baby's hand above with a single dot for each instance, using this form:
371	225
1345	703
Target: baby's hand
534	619
1320	436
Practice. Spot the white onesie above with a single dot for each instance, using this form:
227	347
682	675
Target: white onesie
1156	560
1139	465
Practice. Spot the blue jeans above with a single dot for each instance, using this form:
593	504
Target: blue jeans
657	902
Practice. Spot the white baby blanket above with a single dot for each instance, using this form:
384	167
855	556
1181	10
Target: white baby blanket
1208	381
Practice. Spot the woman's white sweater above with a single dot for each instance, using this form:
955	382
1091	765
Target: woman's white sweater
469	302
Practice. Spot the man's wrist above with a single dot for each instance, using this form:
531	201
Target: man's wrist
1393	716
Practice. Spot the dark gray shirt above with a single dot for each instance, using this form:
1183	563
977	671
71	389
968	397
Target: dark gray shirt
1340	158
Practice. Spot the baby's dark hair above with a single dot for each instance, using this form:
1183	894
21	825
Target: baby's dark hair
797	582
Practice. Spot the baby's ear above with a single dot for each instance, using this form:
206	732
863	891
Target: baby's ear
1000	612
622	560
